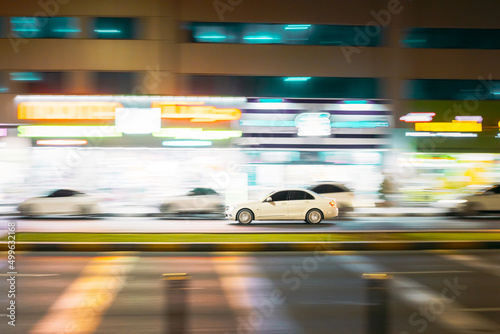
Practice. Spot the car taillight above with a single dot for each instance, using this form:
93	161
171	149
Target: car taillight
332	203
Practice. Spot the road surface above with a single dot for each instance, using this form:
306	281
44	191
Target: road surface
199	225
114	293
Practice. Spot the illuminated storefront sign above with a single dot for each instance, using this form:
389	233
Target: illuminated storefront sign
61	142
360	124
313	124
415	117
454	126
196	113
67	110
138	120
477	119
197	133
63	131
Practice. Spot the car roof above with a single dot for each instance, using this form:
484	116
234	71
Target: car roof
337	184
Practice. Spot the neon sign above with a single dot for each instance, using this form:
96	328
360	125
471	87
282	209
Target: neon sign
67	110
313	124
195	112
414	117
454	126
55	131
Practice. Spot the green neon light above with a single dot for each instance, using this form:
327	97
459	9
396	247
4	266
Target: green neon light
360	124
212	37
270	100
108	31
298	79
66	30
355	102
62	131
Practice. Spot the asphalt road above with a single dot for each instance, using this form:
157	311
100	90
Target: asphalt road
107	293
200	225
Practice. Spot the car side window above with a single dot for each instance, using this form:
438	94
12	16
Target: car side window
320	189
308	196
296	195
209	191
61	193
280	196
495	190
335	189
195	192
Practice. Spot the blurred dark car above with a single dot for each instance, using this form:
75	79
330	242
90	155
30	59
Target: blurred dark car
60	202
198	200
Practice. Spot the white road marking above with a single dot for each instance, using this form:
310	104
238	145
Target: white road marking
474	262
419	295
80	308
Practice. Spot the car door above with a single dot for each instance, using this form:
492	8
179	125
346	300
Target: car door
277	208
299	202
59	202
490	200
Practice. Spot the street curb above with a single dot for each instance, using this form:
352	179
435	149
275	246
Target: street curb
249	246
389	215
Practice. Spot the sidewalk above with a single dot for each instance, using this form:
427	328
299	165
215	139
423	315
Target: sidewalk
148	211
398	212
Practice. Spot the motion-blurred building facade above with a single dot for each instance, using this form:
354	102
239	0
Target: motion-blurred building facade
156	96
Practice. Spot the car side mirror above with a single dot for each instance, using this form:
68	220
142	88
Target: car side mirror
269	199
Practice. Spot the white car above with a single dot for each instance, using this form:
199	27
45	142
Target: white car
487	201
342	195
198	200
60	202
294	204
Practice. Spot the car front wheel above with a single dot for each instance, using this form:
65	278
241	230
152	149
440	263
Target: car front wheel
245	216
314	216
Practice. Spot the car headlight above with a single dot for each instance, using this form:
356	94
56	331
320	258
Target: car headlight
231	208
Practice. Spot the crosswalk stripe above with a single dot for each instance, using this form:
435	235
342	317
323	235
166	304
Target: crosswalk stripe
80	308
475	262
419	295
258	304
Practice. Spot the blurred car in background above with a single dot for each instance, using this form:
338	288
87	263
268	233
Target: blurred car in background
484	202
60	202
198	200
295	204
342	195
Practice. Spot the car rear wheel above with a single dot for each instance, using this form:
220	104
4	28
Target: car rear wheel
245	216
314	216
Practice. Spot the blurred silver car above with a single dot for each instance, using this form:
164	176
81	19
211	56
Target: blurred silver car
342	195
198	200
485	202
60	202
